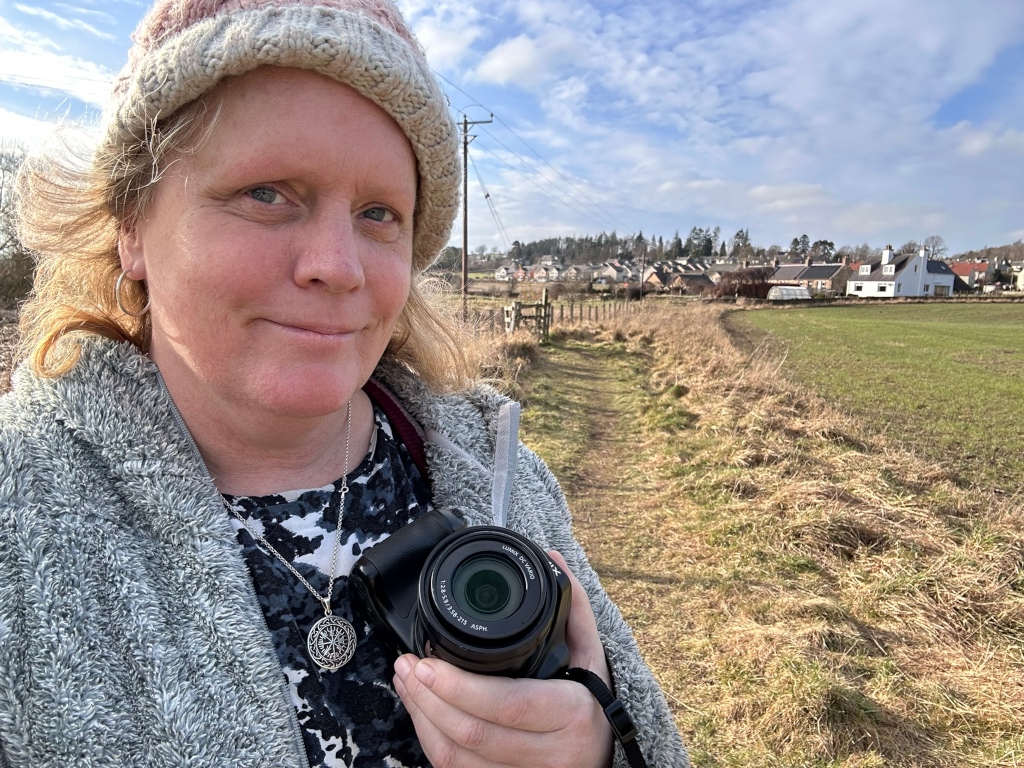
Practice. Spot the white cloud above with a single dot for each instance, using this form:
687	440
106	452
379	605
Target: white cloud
63	23
40	65
22	129
447	30
106	18
530	62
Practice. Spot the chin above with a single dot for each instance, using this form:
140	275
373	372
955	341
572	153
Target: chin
307	395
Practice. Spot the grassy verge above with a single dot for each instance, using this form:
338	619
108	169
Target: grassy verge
947	380
807	593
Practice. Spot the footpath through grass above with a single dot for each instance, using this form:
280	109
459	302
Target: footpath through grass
806	593
945	379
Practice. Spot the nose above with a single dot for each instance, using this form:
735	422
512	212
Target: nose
328	254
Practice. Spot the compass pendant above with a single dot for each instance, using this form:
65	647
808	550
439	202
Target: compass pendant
331	642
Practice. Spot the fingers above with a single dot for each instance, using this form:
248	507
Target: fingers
538	706
582	637
463	719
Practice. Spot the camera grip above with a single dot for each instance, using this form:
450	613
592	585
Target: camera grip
385	578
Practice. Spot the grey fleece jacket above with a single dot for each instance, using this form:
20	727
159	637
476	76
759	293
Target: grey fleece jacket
130	633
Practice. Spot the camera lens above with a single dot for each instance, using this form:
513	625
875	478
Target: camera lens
488	588
491	601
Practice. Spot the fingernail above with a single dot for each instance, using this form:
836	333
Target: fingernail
425	674
403	666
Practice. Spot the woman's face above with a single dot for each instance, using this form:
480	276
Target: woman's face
278	256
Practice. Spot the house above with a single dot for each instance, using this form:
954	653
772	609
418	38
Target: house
786	274
691	283
579	273
507	272
658	278
972	272
898	275
543	273
827	279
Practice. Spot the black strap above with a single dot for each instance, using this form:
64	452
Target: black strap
622	724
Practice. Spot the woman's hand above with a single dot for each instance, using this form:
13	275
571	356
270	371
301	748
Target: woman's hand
465	720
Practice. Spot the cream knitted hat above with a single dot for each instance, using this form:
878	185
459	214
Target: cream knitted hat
183	48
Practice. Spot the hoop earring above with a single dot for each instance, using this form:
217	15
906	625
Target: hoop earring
120	301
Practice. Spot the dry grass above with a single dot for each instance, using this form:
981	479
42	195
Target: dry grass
807	593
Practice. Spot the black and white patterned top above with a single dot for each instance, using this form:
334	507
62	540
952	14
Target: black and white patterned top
352	716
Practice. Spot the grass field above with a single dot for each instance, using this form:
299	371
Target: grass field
946	380
808	594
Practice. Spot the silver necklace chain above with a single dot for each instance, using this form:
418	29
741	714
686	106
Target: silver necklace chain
343	645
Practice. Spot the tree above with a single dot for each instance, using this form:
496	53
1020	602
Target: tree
449	260
741	248
800	246
822	250
911	246
675	250
935	246
751	283
16	264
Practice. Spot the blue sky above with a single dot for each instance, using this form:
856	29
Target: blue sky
874	121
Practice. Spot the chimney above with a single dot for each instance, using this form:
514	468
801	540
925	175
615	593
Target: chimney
924	275
887	255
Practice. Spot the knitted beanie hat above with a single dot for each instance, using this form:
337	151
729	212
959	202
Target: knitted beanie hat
184	48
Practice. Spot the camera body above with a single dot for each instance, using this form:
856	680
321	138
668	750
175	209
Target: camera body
483	598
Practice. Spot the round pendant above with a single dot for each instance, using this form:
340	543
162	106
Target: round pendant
331	642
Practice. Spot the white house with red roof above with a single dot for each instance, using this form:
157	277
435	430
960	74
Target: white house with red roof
971	272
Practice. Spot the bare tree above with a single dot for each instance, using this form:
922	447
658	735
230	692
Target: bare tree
751	283
935	246
16	263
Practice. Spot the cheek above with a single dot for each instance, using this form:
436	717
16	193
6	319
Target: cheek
390	281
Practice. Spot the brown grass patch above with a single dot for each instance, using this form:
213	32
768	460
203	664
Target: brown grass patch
807	593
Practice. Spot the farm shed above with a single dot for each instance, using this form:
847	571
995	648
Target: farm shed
787	293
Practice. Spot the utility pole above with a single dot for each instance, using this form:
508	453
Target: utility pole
466	139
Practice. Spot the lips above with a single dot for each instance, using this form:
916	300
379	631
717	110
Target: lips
314	328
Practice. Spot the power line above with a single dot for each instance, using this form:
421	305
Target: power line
534	151
544	191
490	204
528	165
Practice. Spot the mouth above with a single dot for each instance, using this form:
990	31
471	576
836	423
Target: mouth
313	330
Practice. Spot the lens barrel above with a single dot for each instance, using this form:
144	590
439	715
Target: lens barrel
490	601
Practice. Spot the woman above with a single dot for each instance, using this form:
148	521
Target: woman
189	460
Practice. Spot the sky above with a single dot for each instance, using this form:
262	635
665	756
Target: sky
863	121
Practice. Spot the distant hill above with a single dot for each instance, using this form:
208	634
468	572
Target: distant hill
1014	252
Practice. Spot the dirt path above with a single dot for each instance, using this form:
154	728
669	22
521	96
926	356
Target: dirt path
582	416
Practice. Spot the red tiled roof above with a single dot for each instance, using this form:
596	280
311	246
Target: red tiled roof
967	268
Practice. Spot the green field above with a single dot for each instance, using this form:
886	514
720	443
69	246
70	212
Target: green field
947	380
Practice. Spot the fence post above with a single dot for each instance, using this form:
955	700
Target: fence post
544	318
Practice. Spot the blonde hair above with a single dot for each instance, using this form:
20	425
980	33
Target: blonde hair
71	212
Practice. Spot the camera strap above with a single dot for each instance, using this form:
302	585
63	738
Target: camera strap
622	724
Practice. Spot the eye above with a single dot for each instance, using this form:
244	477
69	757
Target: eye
265	195
377	213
